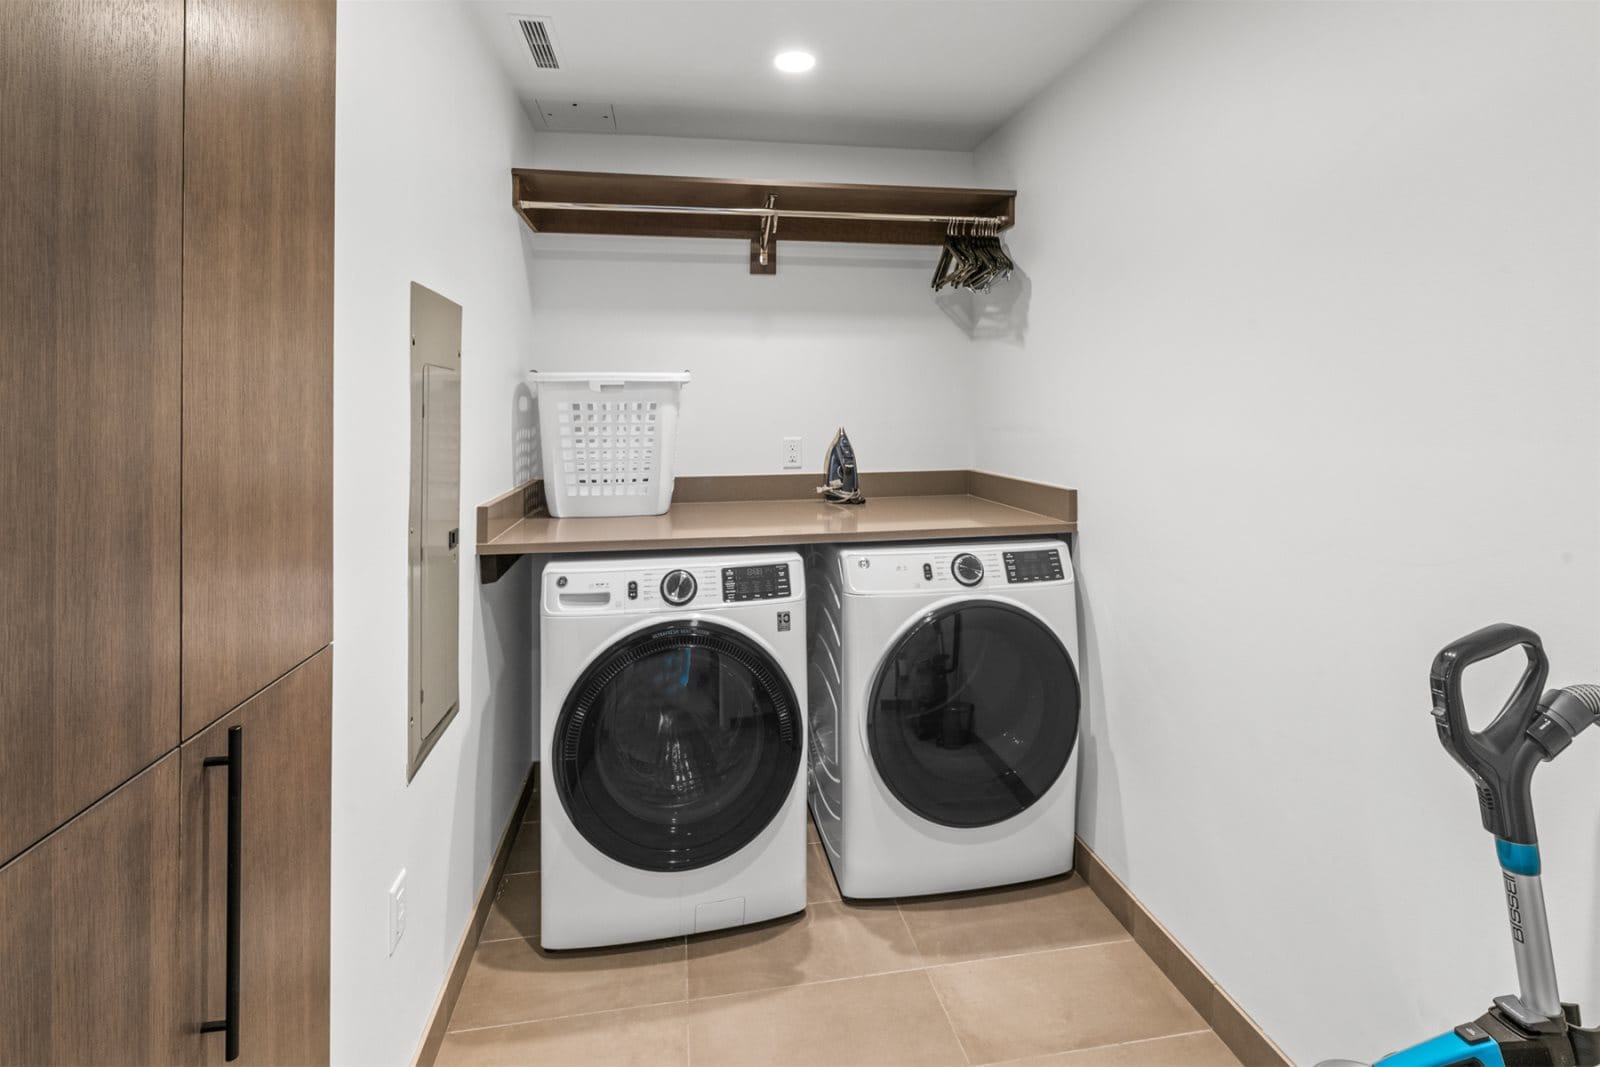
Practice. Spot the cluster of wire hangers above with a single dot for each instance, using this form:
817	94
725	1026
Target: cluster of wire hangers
973	257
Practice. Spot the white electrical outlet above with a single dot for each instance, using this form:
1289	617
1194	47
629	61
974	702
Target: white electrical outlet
397	910
791	453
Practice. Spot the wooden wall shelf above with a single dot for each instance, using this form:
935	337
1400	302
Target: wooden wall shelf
651	205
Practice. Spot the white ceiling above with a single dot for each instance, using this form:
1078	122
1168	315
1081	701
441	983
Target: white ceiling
892	73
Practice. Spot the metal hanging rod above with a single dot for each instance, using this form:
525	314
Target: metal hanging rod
755	212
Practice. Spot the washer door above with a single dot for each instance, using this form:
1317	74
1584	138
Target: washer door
677	747
973	714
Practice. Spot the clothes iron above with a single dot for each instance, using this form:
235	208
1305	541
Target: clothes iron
841	482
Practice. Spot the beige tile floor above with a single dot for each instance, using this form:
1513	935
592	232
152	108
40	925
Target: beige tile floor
1035	975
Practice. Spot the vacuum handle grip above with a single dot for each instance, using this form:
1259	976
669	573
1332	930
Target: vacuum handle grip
1485	644
1502	755
1520	707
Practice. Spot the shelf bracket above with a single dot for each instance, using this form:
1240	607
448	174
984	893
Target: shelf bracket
492	568
764	250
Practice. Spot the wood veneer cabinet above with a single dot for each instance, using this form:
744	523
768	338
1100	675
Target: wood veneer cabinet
91	138
285	758
88	923
257	346
165	439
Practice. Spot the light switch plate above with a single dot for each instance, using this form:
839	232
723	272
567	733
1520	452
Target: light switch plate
397	911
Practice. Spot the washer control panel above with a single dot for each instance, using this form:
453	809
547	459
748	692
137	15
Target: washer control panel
644	585
759	581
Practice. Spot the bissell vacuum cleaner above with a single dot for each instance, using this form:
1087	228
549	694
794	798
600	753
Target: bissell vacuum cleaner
1532	1028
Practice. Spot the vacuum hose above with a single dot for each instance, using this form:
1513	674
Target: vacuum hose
1569	712
1588	696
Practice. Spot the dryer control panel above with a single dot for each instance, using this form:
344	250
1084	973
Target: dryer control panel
1033	565
953	568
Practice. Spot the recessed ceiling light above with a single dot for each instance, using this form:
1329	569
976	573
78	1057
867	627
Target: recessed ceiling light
794	62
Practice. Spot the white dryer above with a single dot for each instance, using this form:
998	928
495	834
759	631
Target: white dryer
944	714
672	745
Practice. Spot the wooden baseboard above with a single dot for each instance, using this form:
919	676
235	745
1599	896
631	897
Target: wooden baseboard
1220	1011
440	1019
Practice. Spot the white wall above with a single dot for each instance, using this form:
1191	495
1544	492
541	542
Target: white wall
1314	332
842	334
427	132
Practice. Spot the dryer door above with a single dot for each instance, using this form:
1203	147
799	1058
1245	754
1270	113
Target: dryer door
973	714
678	746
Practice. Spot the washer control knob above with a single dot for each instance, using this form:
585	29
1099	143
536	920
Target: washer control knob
967	568
678	588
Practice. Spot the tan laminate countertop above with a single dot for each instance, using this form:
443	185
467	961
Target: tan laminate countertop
715	524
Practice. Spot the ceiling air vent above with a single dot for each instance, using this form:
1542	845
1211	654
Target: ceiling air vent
537	33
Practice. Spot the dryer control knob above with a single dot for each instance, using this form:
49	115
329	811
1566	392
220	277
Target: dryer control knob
967	568
678	588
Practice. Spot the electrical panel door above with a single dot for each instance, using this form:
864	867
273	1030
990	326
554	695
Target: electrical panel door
435	542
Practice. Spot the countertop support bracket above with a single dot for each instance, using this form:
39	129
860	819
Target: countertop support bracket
492	568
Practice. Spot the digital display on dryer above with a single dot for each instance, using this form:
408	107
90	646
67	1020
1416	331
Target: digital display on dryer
1042	565
766	581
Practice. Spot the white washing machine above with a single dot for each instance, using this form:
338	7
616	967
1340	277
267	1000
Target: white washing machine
672	745
944	714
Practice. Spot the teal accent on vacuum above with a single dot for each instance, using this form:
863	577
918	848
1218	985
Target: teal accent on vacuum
1517	859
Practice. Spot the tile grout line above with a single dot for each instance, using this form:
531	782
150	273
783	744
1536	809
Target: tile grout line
827	866
912	934
1031	952
685	1002
498	940
1100	1048
927	973
687	999
924	966
688	1023
806	985
571	1015
689	1003
683	942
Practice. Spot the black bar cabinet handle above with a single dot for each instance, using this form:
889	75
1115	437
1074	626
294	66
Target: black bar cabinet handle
234	761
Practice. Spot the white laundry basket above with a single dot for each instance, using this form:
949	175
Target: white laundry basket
607	441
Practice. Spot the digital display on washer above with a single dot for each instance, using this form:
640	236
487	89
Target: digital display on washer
1042	565
766	581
